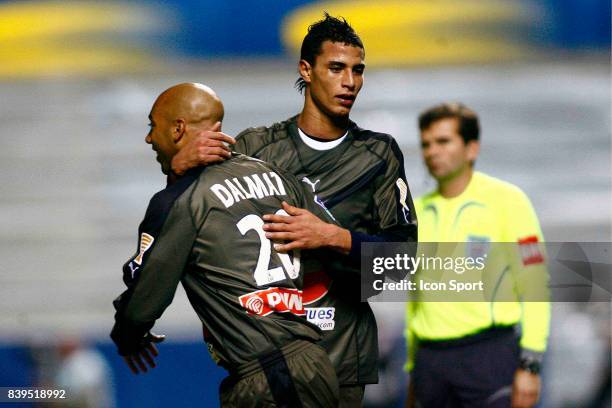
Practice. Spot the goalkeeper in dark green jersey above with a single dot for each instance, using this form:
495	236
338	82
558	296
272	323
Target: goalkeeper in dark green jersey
357	174
205	231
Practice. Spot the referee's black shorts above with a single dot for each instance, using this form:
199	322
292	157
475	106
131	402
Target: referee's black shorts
472	372
300	374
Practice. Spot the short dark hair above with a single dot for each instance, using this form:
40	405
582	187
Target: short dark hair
334	29
469	129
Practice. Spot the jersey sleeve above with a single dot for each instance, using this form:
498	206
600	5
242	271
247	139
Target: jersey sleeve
166	236
242	145
528	260
395	214
393	201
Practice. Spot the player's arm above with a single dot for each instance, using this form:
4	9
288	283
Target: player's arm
166	236
207	147
395	212
531	274
211	146
303	229
308	225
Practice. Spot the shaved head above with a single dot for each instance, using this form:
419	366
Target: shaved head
197	104
179	113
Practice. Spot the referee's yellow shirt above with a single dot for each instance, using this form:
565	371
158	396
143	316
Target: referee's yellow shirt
489	210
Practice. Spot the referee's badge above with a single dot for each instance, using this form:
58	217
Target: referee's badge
477	246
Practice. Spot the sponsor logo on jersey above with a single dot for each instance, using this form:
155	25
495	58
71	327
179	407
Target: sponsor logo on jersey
317	199
316	286
313	185
477	246
323	317
146	241
279	300
403	191
530	250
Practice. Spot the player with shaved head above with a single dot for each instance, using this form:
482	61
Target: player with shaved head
178	113
205	231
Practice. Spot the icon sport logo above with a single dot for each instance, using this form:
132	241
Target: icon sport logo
146	241
280	300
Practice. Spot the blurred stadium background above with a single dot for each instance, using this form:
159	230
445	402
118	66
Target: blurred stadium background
77	80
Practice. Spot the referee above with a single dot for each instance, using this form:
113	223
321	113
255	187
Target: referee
476	354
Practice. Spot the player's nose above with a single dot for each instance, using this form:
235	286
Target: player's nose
148	138
430	153
348	80
433	149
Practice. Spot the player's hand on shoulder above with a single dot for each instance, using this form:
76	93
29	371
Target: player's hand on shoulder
525	389
207	147
300	229
144	359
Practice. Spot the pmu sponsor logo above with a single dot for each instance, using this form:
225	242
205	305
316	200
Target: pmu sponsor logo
280	300
316	286
322	317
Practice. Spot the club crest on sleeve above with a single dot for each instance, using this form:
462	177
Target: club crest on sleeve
146	241
403	195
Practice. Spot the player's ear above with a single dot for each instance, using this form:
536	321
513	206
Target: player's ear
178	130
217	126
305	70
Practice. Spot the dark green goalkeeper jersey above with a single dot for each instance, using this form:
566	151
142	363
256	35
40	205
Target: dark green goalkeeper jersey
361	181
205	231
